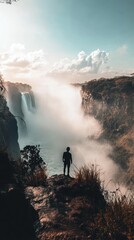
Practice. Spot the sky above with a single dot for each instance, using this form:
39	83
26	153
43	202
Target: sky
72	39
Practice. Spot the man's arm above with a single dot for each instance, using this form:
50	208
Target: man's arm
71	158
63	158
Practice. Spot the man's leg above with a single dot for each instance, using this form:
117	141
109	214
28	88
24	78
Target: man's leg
68	169
64	168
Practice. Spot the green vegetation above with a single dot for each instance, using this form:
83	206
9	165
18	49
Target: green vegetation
33	168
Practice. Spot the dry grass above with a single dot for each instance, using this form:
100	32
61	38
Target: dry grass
117	222
88	175
113	222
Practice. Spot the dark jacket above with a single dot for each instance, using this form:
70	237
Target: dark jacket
67	157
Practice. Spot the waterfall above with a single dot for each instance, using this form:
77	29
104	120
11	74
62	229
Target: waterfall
20	104
28	109
28	103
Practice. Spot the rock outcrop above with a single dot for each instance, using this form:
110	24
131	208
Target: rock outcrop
17	216
8	131
63	206
80	209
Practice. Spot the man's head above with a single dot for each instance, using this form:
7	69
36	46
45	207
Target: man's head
68	149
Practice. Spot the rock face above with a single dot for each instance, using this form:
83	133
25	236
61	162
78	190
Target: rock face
17	216
12	117
79	209
19	94
8	131
111	102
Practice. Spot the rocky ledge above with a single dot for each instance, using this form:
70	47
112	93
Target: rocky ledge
65	208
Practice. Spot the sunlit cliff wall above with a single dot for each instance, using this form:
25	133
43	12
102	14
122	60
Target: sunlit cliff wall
111	102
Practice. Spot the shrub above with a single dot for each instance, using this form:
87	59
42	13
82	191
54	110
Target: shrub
89	185
109	215
33	167
117	221
89	176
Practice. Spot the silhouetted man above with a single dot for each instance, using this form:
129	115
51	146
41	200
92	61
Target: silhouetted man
67	159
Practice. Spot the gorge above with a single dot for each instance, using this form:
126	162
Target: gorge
100	132
95	119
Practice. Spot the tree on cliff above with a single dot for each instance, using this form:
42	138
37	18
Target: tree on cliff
2	88
2	91
33	166
8	1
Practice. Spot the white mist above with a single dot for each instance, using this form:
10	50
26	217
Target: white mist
60	122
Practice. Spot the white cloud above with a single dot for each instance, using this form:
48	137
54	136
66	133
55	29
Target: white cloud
18	57
18	61
83	63
18	64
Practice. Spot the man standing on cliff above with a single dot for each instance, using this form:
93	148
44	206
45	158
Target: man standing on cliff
67	159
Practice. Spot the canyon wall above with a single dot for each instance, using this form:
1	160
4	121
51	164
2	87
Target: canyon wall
111	102
12	116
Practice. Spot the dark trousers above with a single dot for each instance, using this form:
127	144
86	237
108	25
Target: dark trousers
67	164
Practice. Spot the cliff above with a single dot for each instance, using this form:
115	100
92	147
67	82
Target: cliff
65	208
111	102
79	209
8	131
17	216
